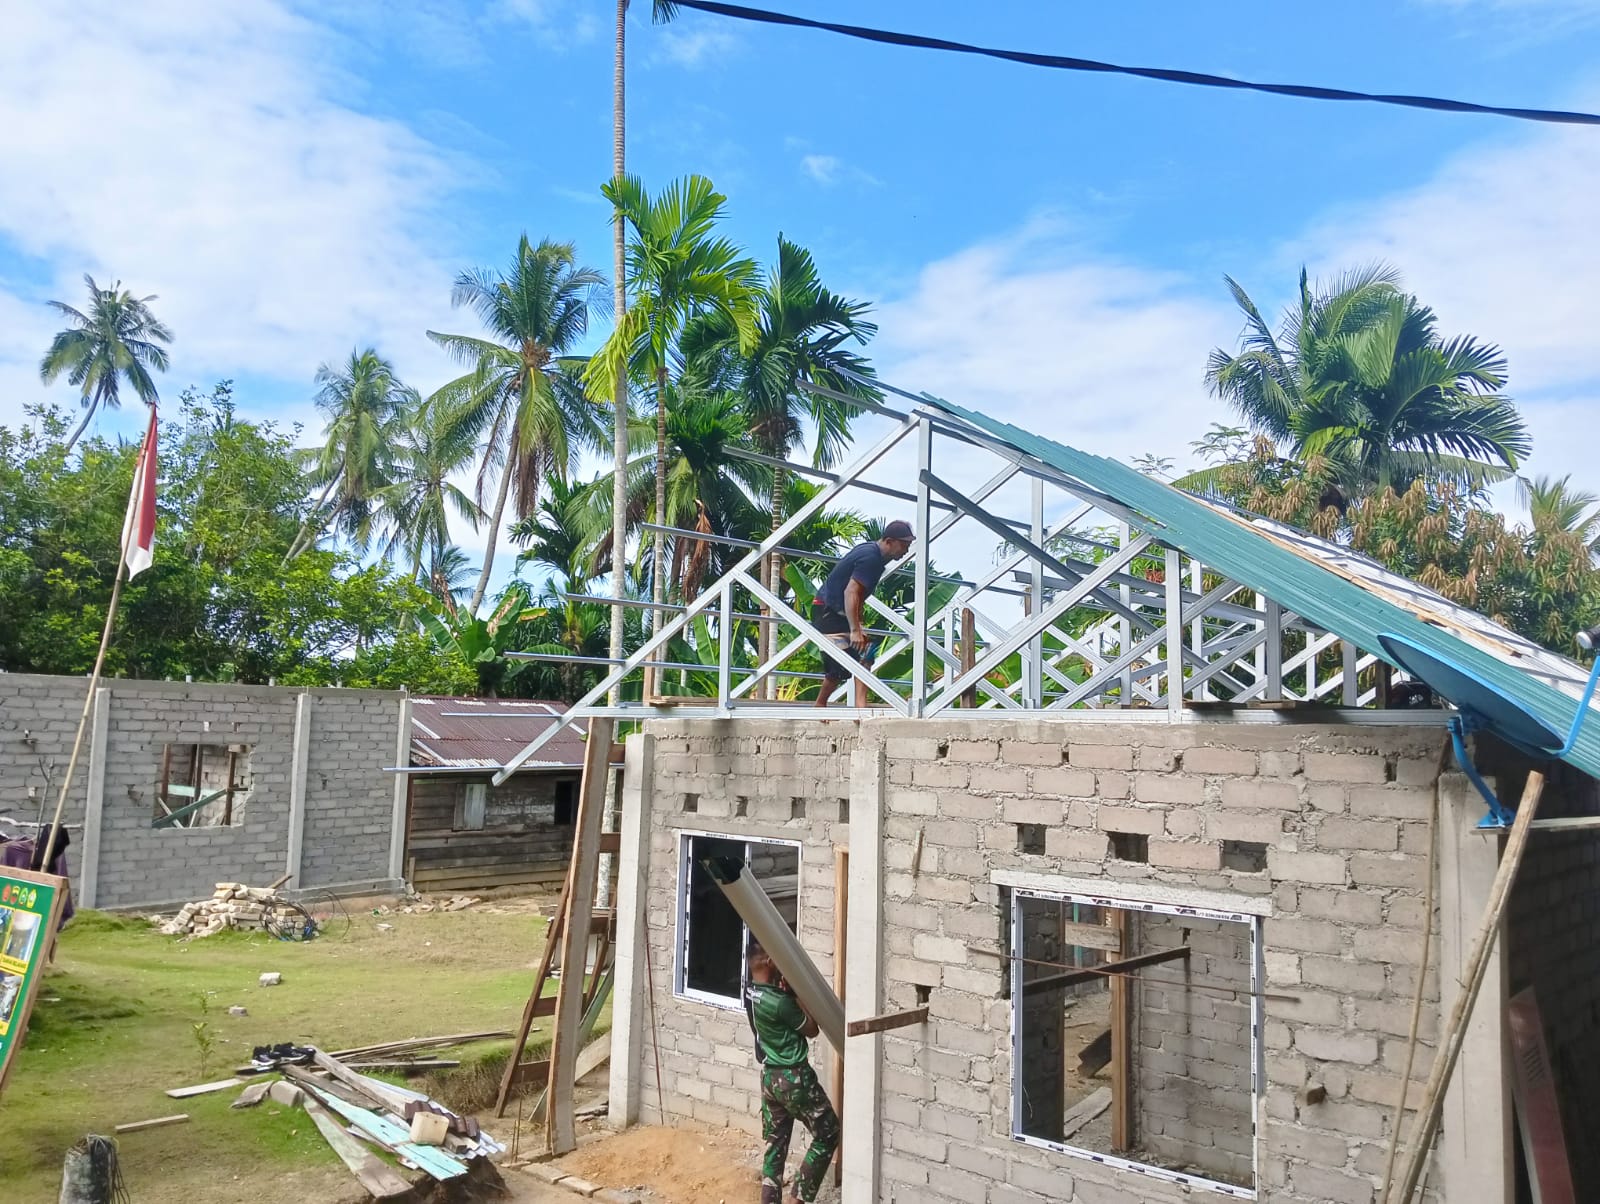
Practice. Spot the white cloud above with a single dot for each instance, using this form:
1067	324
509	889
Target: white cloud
202	153
829	170
698	44
1502	242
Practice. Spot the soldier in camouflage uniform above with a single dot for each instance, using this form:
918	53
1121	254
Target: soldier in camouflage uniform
789	1087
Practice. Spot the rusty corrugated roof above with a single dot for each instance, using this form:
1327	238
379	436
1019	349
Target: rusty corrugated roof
482	733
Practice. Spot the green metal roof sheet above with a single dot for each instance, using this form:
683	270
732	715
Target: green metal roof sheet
1331	586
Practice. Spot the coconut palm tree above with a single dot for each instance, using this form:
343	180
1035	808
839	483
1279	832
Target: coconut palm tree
661	11
363	399
678	269
431	447
450	575
1358	374
522	396
118	340
1554	505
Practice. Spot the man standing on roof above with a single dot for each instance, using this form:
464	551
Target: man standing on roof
837	611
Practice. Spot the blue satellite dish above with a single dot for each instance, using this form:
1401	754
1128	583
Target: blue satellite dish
1475	697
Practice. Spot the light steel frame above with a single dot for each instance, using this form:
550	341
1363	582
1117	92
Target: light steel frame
1170	633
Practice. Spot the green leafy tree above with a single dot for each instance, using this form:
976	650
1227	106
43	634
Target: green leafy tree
522	396
1359	375
117	341
363	399
679	268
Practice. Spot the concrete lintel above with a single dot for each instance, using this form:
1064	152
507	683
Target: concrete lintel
1475	1156
1134	892
95	801
863	1056
631	984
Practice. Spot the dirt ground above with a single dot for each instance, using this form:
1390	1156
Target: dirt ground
682	1165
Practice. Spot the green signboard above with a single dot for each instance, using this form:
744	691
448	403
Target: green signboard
30	907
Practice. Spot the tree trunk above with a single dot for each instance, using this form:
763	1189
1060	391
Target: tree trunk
658	589
494	534
305	528
88	416
775	577
619	397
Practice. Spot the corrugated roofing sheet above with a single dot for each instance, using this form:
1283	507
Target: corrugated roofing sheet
483	733
1335	588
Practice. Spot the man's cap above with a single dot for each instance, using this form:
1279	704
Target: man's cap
899	529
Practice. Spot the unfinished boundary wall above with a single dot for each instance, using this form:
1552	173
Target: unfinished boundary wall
1312	839
318	803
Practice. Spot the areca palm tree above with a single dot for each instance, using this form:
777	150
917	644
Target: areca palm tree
431	447
119	340
804	334
678	269
363	399
522	395
661	11
1358	374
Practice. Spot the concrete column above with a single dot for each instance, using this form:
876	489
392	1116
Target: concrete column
297	788
94	803
402	792
1475	1158
631	986
863	1056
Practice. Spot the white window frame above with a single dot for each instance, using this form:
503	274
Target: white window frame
1257	1054
680	989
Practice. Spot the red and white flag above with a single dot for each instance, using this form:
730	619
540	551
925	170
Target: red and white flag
139	528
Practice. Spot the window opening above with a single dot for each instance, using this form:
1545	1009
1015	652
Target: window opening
473	807
564	800
202	786
712	939
1136	1037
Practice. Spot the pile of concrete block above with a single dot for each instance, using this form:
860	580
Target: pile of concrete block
231	905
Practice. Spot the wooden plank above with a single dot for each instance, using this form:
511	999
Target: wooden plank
159	1122
969	655
1090	936
379	1178
527	1072
1084	1111
203	1088
1116	971
882	1024
841	943
595	1055
338	1070
1118	921
560	1127
1544	1142
397	1138
416	1043
251	1095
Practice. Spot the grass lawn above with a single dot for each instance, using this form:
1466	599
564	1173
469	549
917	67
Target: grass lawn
115	1027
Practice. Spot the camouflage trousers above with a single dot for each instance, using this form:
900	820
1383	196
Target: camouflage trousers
788	1094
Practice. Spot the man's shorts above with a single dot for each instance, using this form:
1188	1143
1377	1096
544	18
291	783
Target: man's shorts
836	626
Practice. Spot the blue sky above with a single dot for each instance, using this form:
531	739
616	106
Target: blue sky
297	179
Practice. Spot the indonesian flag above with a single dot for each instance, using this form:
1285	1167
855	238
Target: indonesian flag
139	528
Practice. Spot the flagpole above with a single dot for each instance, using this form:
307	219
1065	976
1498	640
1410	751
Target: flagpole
44	848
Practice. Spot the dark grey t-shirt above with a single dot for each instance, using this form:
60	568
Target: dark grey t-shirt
864	562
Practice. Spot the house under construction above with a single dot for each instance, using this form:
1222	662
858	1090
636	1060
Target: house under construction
1131	886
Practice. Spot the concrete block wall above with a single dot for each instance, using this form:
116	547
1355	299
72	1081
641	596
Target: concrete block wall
785	781
1342	813
1553	935
348	797
1338	814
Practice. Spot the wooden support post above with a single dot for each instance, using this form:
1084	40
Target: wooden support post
1121	1025
560	1131
969	654
552	934
841	940
1472	975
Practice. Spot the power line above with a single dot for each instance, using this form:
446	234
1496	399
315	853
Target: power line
1196	78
